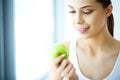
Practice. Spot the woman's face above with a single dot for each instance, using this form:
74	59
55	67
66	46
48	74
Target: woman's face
88	17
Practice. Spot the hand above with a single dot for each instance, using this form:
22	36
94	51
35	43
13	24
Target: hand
65	68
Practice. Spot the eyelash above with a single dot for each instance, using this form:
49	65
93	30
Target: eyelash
87	12
72	12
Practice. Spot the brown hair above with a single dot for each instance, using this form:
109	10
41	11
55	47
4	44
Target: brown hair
110	20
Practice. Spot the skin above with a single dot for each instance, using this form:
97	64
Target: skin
96	49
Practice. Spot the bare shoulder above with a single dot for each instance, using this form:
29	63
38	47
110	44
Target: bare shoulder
119	45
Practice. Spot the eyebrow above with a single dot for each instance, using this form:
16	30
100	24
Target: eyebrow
81	7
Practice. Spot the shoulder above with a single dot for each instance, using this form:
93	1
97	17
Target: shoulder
117	45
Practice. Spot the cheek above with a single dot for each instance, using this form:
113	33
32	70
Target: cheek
72	18
96	20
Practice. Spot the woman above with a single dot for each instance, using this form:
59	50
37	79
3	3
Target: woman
94	55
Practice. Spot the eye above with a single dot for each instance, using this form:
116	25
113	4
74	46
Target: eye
87	12
72	11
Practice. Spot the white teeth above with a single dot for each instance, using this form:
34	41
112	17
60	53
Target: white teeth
83	28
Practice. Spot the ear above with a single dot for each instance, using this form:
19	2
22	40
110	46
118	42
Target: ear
109	10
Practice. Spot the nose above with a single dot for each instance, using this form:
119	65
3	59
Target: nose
79	18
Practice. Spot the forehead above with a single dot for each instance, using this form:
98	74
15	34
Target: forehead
81	3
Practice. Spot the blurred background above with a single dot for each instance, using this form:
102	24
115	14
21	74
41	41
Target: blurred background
37	24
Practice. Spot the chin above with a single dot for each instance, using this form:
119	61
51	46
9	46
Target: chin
83	36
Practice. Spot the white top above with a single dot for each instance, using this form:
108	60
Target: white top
114	75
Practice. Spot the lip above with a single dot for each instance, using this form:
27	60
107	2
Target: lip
83	30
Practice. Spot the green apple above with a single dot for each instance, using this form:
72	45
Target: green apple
59	49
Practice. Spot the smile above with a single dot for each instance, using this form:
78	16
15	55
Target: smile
83	30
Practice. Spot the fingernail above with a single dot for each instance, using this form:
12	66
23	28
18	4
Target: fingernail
64	79
62	55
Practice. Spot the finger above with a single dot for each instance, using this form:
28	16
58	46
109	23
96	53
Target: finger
58	60
62	66
67	70
70	74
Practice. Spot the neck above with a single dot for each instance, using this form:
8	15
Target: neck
99	40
